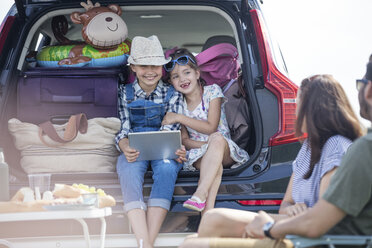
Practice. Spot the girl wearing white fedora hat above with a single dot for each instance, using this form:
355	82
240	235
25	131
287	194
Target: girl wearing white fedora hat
142	106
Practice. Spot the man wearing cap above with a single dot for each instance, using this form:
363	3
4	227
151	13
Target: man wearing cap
346	206
142	106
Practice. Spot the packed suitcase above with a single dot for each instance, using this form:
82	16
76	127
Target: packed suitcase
57	93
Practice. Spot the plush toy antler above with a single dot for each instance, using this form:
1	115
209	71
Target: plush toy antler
89	5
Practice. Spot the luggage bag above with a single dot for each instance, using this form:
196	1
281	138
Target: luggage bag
54	94
80	145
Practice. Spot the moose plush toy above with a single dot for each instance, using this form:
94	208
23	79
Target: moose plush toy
105	34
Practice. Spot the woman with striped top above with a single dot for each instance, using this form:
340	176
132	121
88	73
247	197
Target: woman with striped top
325	114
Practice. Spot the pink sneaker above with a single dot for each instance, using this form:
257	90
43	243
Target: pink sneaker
194	203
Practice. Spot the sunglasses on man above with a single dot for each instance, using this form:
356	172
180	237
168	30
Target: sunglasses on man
183	60
360	83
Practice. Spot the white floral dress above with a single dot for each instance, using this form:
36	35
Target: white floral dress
237	154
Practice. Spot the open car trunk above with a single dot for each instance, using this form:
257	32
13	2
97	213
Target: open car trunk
186	24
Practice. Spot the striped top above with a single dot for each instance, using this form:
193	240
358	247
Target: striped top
307	190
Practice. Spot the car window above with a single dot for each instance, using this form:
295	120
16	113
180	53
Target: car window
182	28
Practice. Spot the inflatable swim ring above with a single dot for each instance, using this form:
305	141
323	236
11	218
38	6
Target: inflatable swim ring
51	55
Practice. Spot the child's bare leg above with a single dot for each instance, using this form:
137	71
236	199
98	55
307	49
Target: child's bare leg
210	164
155	218
224	222
212	193
211	199
165	175
137	218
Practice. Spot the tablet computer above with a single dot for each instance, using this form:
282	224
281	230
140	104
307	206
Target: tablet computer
155	145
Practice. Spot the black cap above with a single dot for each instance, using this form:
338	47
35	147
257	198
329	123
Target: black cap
369	71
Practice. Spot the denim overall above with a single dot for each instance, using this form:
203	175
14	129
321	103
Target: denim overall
145	115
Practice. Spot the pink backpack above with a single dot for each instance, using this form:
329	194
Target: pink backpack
219	64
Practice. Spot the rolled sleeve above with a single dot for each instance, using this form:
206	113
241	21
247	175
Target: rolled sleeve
334	150
332	162
175	105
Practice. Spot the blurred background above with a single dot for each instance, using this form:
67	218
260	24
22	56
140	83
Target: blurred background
323	37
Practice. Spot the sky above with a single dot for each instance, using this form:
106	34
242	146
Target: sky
317	37
323	37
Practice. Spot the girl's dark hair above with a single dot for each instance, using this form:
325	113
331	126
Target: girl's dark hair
181	52
326	111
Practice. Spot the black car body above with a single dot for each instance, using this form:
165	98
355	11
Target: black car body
259	184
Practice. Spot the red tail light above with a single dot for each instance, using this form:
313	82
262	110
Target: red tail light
4	30
260	202
278	84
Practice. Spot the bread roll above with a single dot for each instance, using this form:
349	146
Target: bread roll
106	201
66	191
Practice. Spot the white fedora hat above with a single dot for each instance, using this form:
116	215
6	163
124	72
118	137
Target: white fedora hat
147	51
